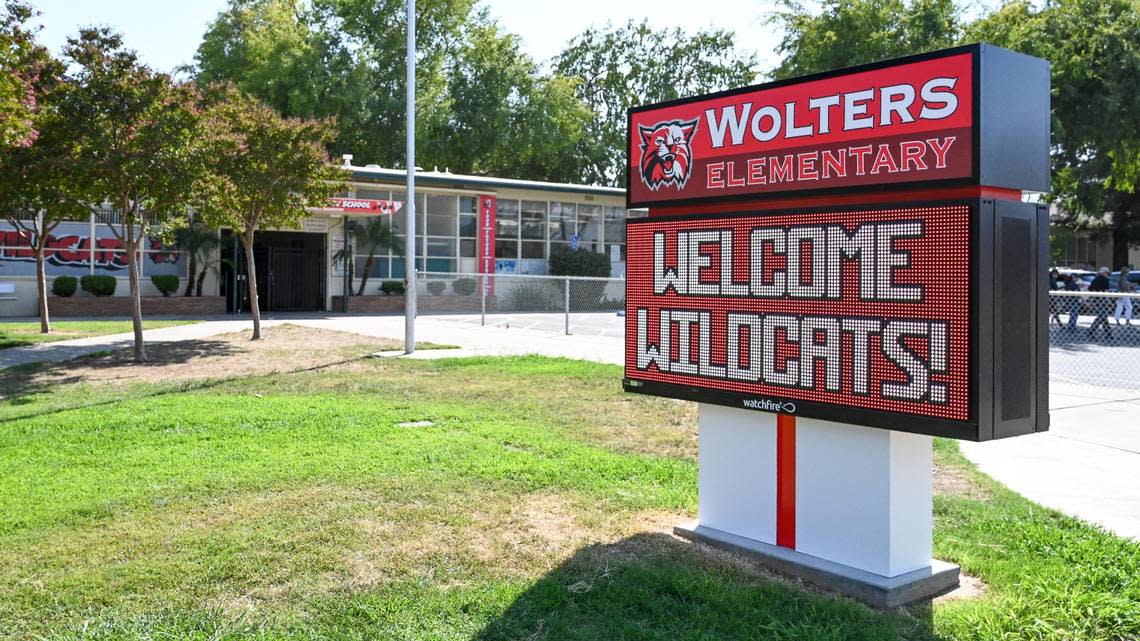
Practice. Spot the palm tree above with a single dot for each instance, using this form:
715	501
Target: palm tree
371	237
197	240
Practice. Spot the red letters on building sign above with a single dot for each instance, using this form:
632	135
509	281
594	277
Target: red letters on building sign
796	312
488	206
74	250
365	206
903	124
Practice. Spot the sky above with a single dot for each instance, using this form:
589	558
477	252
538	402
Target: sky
167	32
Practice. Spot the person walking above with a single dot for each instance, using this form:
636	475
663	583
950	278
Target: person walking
1100	284
1074	301
1055	304
1124	303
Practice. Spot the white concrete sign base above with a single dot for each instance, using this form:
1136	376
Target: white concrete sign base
861	520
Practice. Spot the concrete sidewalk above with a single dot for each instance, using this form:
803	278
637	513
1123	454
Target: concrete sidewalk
1087	466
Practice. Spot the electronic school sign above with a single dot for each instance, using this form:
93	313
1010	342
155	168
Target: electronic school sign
850	246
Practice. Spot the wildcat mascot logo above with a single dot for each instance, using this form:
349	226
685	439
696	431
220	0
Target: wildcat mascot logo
666	155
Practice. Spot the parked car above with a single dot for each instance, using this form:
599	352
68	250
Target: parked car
1083	277
1114	281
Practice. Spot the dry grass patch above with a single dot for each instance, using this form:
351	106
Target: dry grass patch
956	481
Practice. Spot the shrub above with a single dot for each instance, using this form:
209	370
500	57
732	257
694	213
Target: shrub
464	286
578	262
436	287
166	284
99	285
533	297
584	295
392	287
64	286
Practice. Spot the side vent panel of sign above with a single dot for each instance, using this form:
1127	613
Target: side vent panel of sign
1015	341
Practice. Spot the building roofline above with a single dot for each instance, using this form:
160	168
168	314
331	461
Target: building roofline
461	181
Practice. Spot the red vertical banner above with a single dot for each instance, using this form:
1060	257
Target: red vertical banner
487	208
786	481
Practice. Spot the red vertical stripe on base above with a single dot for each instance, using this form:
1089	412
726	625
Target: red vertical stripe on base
786	481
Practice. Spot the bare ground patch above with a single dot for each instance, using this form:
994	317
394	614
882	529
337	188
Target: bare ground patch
285	348
952	480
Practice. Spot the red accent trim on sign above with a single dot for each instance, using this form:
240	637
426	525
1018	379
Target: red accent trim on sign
786	481
996	193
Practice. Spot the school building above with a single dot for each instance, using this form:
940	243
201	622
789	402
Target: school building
468	224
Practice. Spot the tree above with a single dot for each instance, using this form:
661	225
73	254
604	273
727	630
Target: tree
20	60
196	239
342	58
618	68
511	119
850	32
1092	46
262	170
37	185
137	134
371	237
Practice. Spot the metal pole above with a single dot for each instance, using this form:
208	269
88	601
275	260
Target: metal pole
410	208
483	300
567	283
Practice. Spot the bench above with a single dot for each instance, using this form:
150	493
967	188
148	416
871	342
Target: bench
7	291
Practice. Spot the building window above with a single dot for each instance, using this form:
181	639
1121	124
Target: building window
468	217
562	222
441	216
507	229
615	231
590	227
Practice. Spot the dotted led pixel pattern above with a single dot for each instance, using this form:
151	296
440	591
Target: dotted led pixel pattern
866	309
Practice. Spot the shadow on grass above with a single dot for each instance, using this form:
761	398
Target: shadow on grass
653	586
20	384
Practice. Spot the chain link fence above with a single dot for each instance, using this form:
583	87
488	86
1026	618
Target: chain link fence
1094	339
491	294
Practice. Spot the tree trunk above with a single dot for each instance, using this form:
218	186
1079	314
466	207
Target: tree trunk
136	298
251	278
367	269
201	282
41	285
1119	240
193	269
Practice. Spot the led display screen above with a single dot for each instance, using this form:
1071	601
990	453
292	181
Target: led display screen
848	315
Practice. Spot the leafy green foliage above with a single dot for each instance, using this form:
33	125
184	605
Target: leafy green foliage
18	69
1091	45
436	287
393	287
261	170
64	286
578	262
372	236
197	239
464	286
166	284
100	285
842	33
615	68
137	133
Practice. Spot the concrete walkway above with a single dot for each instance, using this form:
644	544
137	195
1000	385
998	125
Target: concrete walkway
1087	466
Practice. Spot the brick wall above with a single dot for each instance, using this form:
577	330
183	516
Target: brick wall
90	306
370	304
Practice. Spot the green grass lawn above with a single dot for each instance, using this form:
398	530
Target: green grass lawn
489	498
19	334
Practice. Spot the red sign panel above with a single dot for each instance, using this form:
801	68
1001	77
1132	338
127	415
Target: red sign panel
907	123
488	206
812	314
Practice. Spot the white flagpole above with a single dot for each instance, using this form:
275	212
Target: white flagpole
410	207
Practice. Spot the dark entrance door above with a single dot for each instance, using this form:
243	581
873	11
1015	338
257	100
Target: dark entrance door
290	271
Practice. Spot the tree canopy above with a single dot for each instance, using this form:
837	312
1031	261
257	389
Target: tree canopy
616	68
21	63
850	32
261	170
